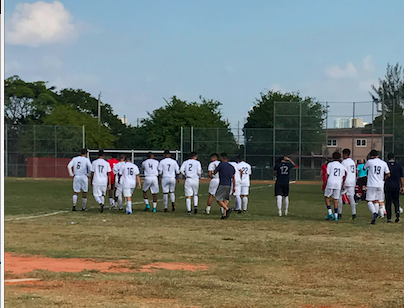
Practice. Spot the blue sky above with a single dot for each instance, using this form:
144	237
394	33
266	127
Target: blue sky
139	52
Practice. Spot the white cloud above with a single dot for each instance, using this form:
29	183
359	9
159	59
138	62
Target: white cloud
39	23
277	88
335	72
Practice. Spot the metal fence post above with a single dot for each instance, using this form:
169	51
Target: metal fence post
353	129
300	141
383	128
182	144
273	138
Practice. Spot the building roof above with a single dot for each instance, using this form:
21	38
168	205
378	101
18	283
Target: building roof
349	132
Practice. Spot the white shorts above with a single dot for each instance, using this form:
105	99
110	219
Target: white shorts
168	185
99	190
350	190
213	185
191	187
375	193
80	183
335	193
237	192
152	184
118	190
128	192
245	190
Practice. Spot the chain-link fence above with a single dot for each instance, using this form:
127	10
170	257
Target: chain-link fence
40	150
308	133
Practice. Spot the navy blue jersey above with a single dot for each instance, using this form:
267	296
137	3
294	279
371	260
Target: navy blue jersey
396	173
226	172
283	171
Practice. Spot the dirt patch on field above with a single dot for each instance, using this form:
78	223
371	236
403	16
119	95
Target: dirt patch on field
22	264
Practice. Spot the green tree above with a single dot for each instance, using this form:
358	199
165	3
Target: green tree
259	129
390	93
27	102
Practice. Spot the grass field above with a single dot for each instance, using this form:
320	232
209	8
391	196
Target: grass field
253	260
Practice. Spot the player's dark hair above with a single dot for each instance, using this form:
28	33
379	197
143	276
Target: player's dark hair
390	156
240	157
122	156
128	158
346	151
166	152
374	153
224	155
100	152
214	155
336	156
150	155
83	151
193	154
113	155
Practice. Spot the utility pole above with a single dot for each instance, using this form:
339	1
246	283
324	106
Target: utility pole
99	108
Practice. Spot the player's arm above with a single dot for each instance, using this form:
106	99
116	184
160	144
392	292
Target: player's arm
139	182
289	160
234	183
216	169
402	185
109	180
70	168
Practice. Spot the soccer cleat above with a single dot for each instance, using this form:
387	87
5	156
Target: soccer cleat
173	206
397	219
121	209
206	212
286	213
339	216
83	209
195	211
280	213
147	207
353	217
239	211
154	210
228	212
189	213
335	218
101	208
330	216
128	213
373	222
244	211
165	210
74	208
388	221
223	217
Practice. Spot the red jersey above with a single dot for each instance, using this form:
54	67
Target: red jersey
112	162
324	175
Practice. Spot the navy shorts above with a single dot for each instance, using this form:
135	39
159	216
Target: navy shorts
282	189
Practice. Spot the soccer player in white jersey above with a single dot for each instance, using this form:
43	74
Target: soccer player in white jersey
245	169
192	171
100	179
236	191
168	173
79	168
150	168
378	172
128	176
350	183
336	174
214	180
118	186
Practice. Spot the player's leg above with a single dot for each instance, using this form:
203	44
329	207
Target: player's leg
127	192
188	195
396	201
340	204
327	194
195	189
84	189
388	200
154	189
285	198
278	196
335	195
111	197
172	193
146	186
118	196
382	208
165	187
77	186
213	185
371	200
244	194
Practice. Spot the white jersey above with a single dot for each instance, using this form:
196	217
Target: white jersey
350	167
100	167
117	167
128	172
81	166
336	171
377	168
150	167
191	169
212	167
245	173
168	168
237	174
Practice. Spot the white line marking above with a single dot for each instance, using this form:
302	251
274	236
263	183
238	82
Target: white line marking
22	280
36	216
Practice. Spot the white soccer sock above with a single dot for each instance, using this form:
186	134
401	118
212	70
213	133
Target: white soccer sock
165	200
237	203
222	210
286	204
102	199
353	204
154	205
120	201
371	207
129	206
84	200
172	197
195	201
279	203
208	209
245	203
74	200
188	202
340	205
111	201
382	210
329	211
146	201
376	207
97	199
